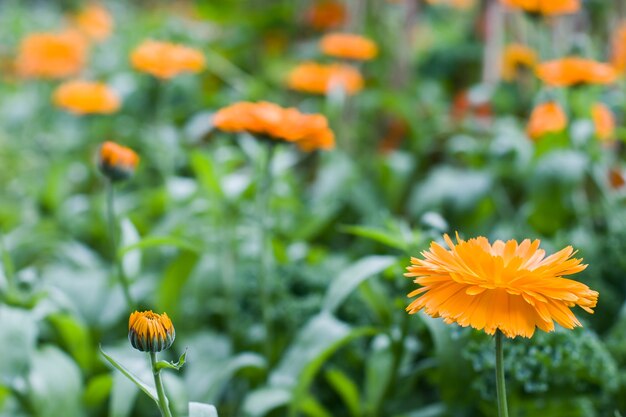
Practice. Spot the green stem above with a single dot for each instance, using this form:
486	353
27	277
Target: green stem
119	270
500	383
265	279
158	382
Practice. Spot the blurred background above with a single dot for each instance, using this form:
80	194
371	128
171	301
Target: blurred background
281	269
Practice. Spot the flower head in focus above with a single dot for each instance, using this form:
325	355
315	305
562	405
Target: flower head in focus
573	70
311	77
508	286
166	60
150	332
326	14
51	55
308	131
515	57
117	162
545	7
545	118
86	97
95	21
348	46
603	121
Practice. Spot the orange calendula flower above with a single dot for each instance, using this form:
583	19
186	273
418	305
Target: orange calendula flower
508	286
515	57
51	55
94	21
166	60
570	71
308	131
545	7
618	53
546	118
150	332
349	46
86	97
603	120
326	14
311	77
117	162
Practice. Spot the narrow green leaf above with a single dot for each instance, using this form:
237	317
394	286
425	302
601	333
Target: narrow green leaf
204	170
350	279
201	410
312	408
346	389
173	365
175	277
150	392
377	235
156	241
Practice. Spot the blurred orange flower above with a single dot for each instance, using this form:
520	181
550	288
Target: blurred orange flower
94	21
349	46
326	14
463	106
166	60
457	4
310	77
569	71
308	131
517	56
86	97
51	55
603	120
616	178
117	162
618	54
545	7
545	118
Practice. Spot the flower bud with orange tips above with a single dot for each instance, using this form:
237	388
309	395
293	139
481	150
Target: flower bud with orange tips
545	7
86	97
573	70
150	332
51	55
348	46
166	60
94	21
603	121
310	77
117	162
546	118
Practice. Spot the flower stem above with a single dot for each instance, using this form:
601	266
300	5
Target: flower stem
110	192
500	383
158	382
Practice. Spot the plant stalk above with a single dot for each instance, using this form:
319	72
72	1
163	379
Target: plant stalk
119	270
500	382
158	382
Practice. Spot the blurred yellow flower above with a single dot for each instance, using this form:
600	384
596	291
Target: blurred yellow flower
508	286
546	118
618	52
570	71
515	57
308	131
150	332
545	7
51	55
166	60
95	21
349	46
117	162
86	97
310	77
603	120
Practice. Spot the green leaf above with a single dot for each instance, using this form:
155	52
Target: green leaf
131	261
74	337
174	279
54	384
261	401
18	331
156	241
432	410
202	166
346	389
350	279
150	391
98	390
378	235
378	372
201	410
312	408
172	365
